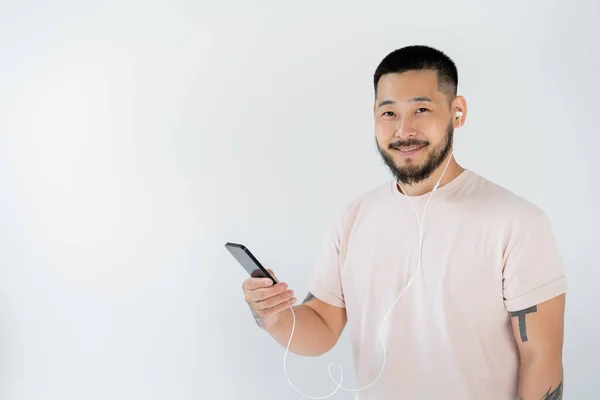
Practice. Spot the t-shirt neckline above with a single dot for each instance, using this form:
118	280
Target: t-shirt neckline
441	191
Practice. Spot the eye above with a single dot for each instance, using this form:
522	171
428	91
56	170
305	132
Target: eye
388	114
422	110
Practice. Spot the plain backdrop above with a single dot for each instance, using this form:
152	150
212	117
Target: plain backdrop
137	137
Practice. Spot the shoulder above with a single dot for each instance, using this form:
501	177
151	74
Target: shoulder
490	199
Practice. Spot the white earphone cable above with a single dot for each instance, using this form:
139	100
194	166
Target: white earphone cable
419	266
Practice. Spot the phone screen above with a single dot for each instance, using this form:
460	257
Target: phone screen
248	261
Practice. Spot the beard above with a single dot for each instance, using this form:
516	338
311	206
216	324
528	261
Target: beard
412	174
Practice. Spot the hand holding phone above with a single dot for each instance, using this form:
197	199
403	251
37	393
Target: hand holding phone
266	300
265	296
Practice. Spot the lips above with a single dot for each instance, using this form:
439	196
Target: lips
409	150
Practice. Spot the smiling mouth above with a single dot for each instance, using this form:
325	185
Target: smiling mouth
409	150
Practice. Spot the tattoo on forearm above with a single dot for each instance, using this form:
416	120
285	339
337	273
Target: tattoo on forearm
522	325
556	394
257	318
308	298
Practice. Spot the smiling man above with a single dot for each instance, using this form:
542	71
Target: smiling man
482	288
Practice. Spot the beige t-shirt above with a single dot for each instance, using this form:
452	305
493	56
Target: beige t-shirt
486	252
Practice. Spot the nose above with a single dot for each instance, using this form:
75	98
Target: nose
404	128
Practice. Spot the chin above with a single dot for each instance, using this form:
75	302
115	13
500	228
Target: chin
412	160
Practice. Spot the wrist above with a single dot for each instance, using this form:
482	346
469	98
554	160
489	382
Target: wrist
273	324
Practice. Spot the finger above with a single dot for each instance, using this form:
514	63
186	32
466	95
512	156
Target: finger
270	271
275	300
256	283
279	308
265	293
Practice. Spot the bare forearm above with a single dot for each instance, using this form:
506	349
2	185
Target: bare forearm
541	380
312	336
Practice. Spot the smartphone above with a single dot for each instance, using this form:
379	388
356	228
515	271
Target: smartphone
248	261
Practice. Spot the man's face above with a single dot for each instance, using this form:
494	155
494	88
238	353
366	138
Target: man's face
413	124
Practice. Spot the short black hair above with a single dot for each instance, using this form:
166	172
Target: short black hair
419	57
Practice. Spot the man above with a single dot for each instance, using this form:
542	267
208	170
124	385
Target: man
483	317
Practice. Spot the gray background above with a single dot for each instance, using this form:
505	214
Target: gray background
137	137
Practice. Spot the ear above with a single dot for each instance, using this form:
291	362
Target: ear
459	108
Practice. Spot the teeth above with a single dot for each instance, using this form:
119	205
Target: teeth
409	149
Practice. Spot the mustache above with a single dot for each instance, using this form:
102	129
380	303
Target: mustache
408	143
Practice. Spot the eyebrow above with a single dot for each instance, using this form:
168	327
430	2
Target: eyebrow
418	99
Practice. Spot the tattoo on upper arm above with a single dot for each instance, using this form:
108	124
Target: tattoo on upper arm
308	298
556	394
522	324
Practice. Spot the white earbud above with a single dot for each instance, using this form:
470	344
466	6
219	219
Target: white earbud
459	115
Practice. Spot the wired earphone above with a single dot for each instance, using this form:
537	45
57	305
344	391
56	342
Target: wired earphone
411	280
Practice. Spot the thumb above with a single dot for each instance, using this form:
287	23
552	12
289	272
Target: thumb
270	271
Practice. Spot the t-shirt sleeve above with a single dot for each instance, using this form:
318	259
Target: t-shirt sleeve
326	283
533	270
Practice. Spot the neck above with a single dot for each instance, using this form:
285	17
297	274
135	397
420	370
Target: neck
426	186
